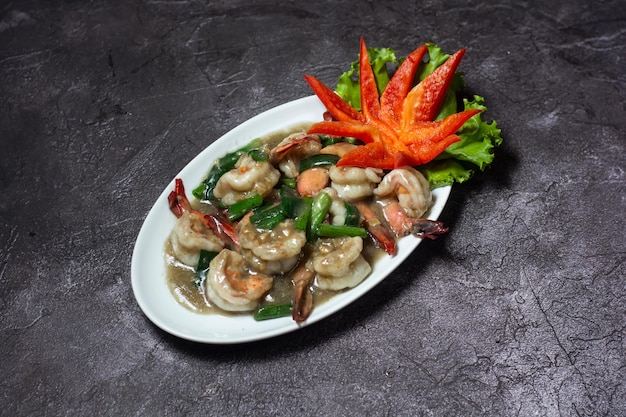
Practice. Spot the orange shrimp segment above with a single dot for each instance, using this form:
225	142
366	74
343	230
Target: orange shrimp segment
312	181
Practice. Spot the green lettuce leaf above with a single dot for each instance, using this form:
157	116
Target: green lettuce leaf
445	172
436	57
478	138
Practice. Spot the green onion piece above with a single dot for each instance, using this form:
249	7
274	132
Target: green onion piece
318	160
319	210
253	144
268	217
288	182
302	218
240	208
205	259
331	230
273	312
228	161
331	140
203	265
204	191
353	217
258	155
290	200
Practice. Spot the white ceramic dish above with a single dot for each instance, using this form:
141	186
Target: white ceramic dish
148	268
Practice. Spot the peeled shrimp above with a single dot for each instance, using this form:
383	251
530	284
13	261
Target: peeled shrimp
273	251
412	200
339	148
311	181
249	177
189	236
337	209
339	264
353	183
410	187
293	149
231	287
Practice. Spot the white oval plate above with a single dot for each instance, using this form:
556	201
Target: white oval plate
148	267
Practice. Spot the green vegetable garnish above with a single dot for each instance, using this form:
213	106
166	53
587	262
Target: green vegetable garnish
331	230
240	208
269	312
268	217
318	161
203	266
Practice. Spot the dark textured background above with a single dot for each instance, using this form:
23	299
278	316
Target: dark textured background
520	310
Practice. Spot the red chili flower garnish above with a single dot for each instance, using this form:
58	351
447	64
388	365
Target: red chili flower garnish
399	127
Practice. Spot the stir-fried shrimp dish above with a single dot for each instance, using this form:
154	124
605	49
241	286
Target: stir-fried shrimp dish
287	221
286	214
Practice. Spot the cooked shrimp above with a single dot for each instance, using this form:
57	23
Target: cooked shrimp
179	204
195	231
312	181
277	267
249	177
408	197
410	187
293	149
339	148
189	236
339	264
273	251
231	287
353	183
337	209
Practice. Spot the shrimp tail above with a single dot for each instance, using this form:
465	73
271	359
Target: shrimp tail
277	153
302	296
178	200
401	224
221	227
430	229
179	203
381	235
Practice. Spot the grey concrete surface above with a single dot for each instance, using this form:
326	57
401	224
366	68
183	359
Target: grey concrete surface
519	311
